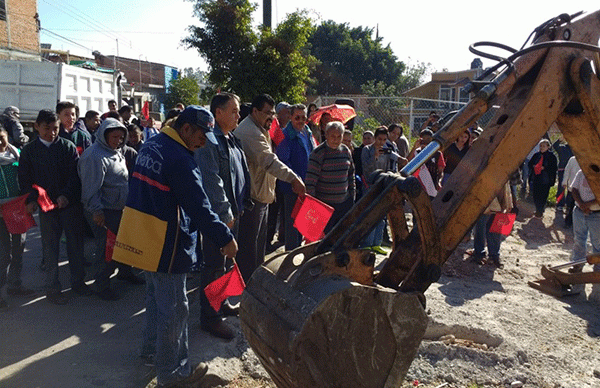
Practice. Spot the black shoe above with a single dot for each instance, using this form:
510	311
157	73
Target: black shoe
219	328
3	304
19	291
496	262
480	260
56	297
576	268
83	290
197	374
108	294
230	310
149	359
43	266
130	278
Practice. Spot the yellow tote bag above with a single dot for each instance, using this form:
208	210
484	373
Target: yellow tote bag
140	240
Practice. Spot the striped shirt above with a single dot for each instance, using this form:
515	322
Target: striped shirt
330	174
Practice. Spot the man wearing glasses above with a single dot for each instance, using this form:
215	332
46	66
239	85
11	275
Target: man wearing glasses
294	151
265	168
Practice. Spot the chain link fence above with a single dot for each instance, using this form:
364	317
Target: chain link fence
409	112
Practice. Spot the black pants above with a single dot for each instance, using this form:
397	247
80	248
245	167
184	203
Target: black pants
252	241
52	224
540	196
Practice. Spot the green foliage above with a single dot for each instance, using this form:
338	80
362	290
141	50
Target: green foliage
247	62
349	58
184	90
552	196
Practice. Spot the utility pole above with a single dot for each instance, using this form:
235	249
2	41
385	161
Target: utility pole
267	13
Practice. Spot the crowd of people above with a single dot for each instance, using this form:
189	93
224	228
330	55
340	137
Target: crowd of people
222	184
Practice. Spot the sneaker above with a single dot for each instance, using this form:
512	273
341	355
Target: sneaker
56	297
379	250
230	310
108	294
130	278
83	290
219	328
197	374
149	359
19	291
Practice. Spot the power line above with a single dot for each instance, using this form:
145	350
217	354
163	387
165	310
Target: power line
65	38
125	32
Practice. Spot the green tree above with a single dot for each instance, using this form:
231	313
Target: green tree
184	90
249	62
349	58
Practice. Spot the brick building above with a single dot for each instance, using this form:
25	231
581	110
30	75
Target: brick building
19	30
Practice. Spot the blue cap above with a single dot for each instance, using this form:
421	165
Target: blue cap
200	117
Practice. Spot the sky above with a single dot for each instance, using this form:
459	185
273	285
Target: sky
435	32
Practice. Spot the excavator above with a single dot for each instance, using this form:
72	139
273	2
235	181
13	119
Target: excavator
322	315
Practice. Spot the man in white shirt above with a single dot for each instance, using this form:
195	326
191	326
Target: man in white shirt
586	219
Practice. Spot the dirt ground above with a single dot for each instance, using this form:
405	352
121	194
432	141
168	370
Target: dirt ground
488	328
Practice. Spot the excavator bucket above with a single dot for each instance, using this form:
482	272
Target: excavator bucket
332	332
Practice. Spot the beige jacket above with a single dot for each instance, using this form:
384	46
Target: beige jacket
265	168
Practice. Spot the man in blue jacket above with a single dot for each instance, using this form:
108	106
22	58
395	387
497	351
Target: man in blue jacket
166	183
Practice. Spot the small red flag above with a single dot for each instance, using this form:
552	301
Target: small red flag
275	132
146	110
16	217
230	284
560	197
312	217
43	200
111	240
503	223
537	169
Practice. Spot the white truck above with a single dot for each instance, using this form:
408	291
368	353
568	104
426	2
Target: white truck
32	86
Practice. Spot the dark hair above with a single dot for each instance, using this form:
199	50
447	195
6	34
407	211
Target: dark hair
245	110
111	101
172	114
124	109
112	129
394	126
219	100
62	105
312	104
381	131
260	101
90	114
426	132
134	128
301	107
46	116
114	115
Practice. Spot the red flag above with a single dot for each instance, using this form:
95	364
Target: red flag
16	217
111	240
43	200
146	110
503	223
560	197
312	218
537	169
230	284
276	133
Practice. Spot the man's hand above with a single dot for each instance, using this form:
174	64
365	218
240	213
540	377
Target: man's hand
231	223
62	202
230	250
31	207
298	187
98	218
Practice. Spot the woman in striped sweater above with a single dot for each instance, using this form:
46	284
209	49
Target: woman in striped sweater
330	173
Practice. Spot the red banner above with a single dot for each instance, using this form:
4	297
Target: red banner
16	217
43	200
230	284
503	223
312	217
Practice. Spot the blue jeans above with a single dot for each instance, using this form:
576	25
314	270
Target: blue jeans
483	235
584	225
375	237
166	330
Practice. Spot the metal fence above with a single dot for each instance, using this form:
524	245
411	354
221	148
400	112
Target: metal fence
409	112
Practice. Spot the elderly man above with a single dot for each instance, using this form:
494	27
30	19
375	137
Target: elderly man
265	167
166	186
10	121
227	184
330	173
294	151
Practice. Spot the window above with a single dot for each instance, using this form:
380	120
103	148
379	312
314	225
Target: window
2	9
